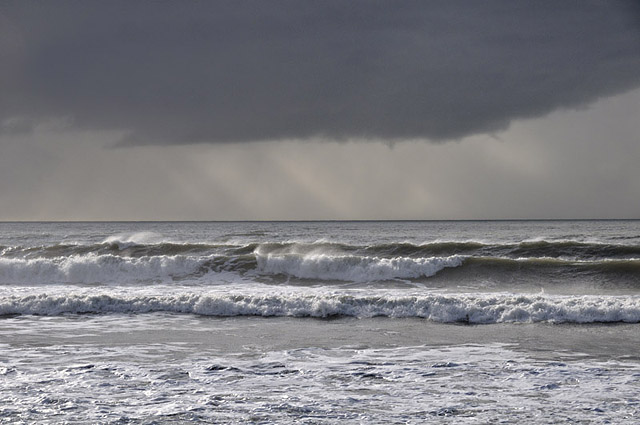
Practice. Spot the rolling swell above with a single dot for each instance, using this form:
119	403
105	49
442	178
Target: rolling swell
480	309
540	249
572	249
547	263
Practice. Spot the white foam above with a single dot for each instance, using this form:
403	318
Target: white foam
471	308
180	383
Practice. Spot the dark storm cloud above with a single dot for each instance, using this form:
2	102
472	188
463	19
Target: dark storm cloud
182	72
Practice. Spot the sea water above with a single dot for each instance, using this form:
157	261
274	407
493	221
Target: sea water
320	322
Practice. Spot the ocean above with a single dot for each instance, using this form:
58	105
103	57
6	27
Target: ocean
405	322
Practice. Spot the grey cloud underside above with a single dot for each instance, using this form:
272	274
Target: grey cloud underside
184	72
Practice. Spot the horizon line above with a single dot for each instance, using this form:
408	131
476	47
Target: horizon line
321	220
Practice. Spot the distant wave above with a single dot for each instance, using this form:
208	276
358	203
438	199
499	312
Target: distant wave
140	246
476	309
114	248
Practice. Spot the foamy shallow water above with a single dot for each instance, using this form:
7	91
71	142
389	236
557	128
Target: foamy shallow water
160	368
267	301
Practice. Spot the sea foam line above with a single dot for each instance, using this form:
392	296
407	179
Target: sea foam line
468	308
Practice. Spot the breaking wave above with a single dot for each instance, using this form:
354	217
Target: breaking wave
467	308
147	258
115	269
97	269
108	268
353	268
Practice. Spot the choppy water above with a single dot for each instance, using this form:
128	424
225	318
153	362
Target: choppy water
219	322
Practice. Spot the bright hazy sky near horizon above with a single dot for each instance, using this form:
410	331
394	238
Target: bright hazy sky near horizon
306	110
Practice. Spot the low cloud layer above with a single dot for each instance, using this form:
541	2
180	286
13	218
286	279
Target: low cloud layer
570	164
233	71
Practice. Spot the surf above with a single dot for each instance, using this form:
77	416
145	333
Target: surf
444	308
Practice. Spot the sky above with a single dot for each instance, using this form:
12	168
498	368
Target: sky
307	110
